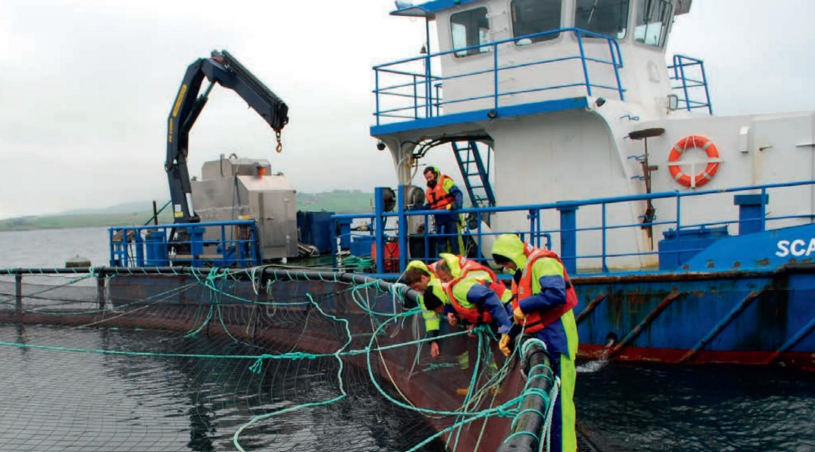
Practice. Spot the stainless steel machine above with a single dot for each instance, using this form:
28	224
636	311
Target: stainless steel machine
240	188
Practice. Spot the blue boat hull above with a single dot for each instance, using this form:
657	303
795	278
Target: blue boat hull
747	317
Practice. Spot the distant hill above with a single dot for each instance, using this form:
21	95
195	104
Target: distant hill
137	213
338	201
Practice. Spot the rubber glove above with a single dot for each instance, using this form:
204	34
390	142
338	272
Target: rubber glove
503	345
519	316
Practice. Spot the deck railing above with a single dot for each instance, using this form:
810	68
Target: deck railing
416	88
688	76
393	242
185	244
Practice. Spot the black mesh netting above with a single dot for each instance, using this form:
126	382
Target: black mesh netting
210	362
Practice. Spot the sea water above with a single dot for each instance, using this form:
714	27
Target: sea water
624	407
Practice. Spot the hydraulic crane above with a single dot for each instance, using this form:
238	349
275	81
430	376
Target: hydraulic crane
223	69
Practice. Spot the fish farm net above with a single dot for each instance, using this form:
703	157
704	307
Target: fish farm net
249	360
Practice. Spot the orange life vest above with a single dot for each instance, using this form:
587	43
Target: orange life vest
437	198
469	265
537	321
476	314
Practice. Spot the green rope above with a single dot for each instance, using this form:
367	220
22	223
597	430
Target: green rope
343	394
216	281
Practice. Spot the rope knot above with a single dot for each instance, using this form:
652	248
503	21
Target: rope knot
257	367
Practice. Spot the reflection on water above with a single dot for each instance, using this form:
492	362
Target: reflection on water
60	400
53	401
650	407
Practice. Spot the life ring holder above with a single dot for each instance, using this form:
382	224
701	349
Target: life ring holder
693	180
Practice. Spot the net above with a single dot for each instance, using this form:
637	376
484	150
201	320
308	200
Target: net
259	359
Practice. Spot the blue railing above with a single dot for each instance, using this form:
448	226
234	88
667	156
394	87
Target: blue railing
419	88
689	75
567	230
235	245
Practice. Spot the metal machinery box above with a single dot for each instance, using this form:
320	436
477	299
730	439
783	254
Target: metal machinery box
240	188
680	246
361	245
315	229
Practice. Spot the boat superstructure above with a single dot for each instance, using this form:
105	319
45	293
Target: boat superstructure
689	237
573	99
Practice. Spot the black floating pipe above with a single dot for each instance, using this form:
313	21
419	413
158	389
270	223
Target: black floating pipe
410	297
526	433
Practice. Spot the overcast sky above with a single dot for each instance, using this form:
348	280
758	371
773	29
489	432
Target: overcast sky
86	86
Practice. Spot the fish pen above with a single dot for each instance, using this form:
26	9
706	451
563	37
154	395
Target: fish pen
180	358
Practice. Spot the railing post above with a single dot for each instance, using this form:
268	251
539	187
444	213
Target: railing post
139	248
568	237
428	89
224	248
534	227
482	256
379	225
707	92
125	249
751	212
335	244
583	61
415	98
111	247
495	75
684	83
605	241
18	292
403	229
101	278
376	77
427	239
616	70
438	99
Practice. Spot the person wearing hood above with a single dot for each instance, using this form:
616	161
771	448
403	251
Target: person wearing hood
418	276
443	194
472	300
542	301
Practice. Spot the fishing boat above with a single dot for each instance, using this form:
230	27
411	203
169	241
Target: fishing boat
688	236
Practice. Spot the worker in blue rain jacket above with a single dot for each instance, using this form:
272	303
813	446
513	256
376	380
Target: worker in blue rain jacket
443	194
542	301
468	299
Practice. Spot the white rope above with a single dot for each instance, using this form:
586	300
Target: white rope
547	425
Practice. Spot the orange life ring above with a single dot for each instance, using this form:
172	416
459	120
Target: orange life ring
696	180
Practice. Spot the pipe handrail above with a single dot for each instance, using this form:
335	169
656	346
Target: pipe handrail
514	39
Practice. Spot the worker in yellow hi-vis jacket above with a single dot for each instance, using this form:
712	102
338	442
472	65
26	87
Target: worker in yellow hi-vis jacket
543	299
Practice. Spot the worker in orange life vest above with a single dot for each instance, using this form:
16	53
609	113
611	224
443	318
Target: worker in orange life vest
470	293
474	302
443	194
543	299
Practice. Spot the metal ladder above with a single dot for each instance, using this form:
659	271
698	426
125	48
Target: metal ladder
476	175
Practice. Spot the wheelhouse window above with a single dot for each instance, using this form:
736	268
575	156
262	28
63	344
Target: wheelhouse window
607	17
470	28
653	20
535	16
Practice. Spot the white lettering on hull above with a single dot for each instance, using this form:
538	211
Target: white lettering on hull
797	248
